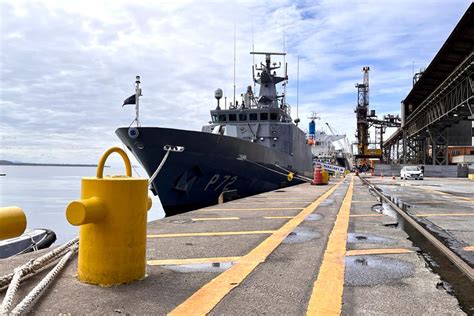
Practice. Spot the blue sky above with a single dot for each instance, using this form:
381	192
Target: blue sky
67	66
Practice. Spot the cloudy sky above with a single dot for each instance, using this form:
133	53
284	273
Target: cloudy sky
66	66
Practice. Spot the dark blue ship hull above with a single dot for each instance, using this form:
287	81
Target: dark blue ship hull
209	165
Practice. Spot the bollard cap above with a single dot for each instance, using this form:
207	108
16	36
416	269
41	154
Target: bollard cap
12	222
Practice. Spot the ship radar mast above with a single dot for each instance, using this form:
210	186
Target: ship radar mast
267	79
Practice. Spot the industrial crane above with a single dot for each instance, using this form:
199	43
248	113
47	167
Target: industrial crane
365	120
361	113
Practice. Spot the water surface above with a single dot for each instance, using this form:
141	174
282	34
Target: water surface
43	192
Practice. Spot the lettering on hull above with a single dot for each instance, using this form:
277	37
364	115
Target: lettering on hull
220	182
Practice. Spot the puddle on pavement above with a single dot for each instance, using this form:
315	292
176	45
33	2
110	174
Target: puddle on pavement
302	234
392	225
441	285
368	238
314	217
327	202
386	209
377	208
179	221
201	267
373	270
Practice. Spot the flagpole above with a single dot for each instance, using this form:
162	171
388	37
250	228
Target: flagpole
137	97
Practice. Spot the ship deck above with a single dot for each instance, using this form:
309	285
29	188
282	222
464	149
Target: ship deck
298	250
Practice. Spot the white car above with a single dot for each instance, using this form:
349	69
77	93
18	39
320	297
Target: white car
411	172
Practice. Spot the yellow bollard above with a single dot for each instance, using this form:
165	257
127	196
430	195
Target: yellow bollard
12	222
325	176
112	215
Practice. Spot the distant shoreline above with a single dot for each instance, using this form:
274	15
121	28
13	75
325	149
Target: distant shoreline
11	163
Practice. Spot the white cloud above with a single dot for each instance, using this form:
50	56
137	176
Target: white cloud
67	66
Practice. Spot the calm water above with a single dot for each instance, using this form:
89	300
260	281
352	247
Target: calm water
44	192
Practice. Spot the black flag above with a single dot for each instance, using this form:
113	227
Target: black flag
130	100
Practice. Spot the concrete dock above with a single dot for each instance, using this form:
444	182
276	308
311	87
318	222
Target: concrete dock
299	250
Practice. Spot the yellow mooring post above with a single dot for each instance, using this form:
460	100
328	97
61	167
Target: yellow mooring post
112	213
12	222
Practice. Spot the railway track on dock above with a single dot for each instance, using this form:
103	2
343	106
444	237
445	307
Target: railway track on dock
464	267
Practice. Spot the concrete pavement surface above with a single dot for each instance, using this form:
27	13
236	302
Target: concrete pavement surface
294	251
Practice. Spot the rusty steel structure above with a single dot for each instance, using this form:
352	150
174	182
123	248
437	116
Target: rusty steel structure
435	112
361	111
367	119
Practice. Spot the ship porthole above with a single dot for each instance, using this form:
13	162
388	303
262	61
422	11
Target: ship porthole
139	145
133	132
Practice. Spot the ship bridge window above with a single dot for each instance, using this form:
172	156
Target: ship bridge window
222	118
274	116
232	117
214	118
263	116
253	116
242	117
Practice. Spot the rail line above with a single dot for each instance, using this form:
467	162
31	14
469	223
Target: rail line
455	259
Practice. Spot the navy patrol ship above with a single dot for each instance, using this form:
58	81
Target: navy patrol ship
249	148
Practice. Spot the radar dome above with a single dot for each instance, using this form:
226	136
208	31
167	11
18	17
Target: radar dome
218	94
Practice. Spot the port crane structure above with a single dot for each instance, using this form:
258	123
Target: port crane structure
367	119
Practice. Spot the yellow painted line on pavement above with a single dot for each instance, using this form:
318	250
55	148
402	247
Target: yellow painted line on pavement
207	297
366	215
165	262
278	217
214	219
269	201
468	248
252	209
444	214
381	251
445	193
251	232
326	298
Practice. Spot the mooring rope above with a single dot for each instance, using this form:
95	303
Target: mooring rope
41	287
299	177
32	267
150	181
168	149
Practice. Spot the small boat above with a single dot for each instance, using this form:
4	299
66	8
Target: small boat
31	240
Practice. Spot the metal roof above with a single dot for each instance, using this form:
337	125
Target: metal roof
458	46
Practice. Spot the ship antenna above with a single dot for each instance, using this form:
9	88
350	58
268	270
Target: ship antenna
284	37
234	60
297	86
138	93
284	59
253	56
